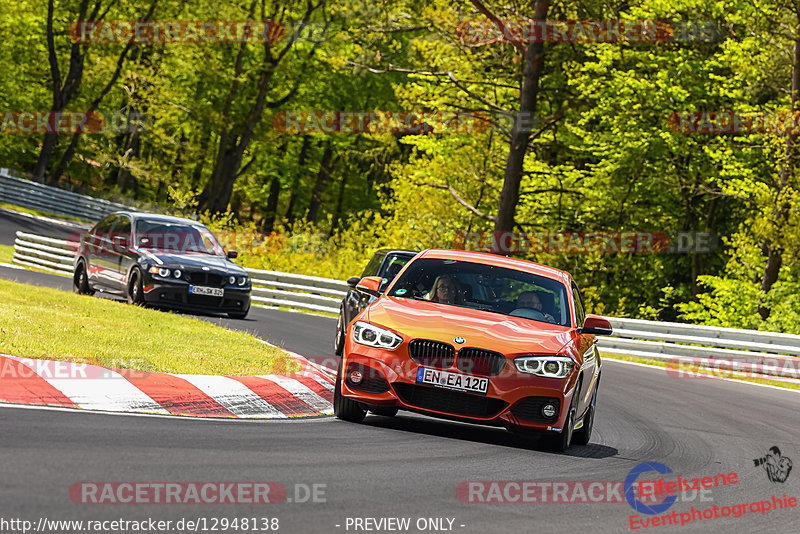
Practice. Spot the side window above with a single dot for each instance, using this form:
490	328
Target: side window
373	265
393	264
580	312
104	226
122	226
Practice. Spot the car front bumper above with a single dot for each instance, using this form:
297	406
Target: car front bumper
514	400
175	295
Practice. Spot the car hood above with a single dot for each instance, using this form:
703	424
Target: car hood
414	319
192	262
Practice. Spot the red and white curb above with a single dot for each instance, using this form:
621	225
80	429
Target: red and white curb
306	393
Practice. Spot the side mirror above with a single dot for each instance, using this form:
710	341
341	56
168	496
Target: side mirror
121	242
594	324
353	281
232	254
369	283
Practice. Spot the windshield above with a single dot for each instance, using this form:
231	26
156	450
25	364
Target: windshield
485	287
176	237
393	264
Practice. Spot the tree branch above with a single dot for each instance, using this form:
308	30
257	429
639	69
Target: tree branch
459	199
499	23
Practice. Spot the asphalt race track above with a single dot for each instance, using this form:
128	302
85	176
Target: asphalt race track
409	466
11	222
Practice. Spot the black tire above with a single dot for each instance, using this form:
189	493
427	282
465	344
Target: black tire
80	280
338	341
561	442
344	408
584	434
387	411
239	315
135	291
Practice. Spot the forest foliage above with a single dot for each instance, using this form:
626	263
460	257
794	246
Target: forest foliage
200	127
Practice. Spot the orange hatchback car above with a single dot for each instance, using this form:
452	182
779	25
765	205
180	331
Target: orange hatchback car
478	338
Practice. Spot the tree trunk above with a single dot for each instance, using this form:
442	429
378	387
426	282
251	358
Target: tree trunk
301	162
774	250
337	215
125	180
66	158
271	210
197	173
534	67
62	91
45	153
235	137
323	179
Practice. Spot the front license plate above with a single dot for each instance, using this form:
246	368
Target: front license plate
201	290
457	381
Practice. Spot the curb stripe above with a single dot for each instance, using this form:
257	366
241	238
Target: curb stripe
306	393
175	394
278	396
318	381
20	384
111	392
326	392
233	395
296	387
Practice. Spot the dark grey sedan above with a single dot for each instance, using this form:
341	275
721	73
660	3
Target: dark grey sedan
161	261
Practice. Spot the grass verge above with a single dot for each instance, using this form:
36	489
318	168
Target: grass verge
39	213
702	370
45	323
6	253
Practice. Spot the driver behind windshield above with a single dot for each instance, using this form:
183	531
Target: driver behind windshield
446	291
530	299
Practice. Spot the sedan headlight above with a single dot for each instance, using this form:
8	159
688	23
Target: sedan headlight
231	280
163	272
374	336
546	366
242	280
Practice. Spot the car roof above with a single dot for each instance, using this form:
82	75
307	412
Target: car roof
139	215
496	260
404	252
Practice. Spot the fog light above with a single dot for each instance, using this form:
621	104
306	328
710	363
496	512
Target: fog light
356	377
548	410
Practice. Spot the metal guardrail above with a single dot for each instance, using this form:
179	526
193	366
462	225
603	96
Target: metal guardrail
770	353
728	349
29	194
44	252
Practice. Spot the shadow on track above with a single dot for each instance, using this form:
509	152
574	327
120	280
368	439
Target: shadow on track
408	422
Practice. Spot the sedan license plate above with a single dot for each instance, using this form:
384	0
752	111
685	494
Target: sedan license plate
449	380
201	290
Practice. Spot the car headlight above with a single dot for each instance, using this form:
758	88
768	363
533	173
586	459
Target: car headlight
231	280
177	273
546	366
163	272
374	336
242	280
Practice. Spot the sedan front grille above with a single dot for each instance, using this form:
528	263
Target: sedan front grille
206	279
447	401
480	362
432	353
